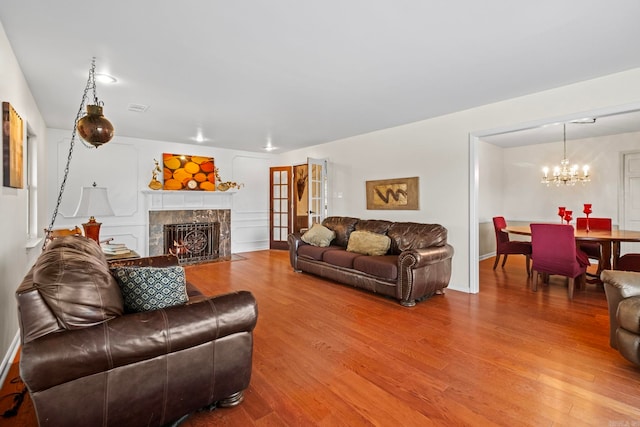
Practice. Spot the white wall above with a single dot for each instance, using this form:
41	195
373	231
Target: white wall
15	258
491	176
525	199
124	166
437	150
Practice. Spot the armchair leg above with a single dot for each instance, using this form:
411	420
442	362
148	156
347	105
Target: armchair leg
495	264
528	261
232	400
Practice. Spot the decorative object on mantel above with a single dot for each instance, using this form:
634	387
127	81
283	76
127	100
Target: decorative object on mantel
182	172
94	200
155	184
565	174
399	193
226	185
99	138
12	147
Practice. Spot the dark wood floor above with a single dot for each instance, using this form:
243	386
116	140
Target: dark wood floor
330	355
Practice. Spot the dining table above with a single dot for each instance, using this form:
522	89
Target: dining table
610	241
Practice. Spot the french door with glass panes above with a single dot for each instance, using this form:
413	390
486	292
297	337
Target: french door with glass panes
298	199
280	219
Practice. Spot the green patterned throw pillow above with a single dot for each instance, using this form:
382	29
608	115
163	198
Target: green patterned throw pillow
151	288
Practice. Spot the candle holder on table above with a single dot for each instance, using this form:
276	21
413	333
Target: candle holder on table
587	210
561	211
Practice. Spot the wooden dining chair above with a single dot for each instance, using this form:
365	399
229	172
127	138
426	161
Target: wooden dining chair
554	252
593	249
505	246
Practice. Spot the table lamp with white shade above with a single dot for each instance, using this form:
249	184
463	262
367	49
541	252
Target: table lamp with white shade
94	201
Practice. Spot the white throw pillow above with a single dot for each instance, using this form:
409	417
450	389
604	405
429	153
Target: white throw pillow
319	235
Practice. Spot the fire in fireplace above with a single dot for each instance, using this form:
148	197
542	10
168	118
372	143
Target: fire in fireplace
193	242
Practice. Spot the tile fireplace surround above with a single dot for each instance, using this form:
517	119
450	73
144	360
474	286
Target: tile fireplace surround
157	220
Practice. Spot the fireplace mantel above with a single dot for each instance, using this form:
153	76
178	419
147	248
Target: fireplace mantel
169	200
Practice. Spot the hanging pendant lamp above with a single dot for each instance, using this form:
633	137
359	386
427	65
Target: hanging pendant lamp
94	127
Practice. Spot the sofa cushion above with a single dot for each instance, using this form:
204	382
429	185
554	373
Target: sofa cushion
343	226
316	252
384	267
368	243
411	235
340	258
73	278
151	288
318	235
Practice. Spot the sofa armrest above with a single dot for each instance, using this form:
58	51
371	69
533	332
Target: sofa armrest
416	258
618	285
295	241
64	356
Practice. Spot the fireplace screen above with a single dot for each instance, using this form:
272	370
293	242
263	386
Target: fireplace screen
192	243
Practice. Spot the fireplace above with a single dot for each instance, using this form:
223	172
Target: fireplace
192	243
193	223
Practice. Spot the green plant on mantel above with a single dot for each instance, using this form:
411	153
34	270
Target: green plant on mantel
225	185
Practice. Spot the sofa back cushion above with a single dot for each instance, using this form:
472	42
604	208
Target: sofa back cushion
379	226
73	278
411	235
342	226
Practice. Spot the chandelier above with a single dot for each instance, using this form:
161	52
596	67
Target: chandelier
565	174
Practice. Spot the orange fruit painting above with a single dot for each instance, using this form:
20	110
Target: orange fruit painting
182	172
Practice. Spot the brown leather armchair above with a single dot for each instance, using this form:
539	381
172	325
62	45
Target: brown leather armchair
86	363
623	297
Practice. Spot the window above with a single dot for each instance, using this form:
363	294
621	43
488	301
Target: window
32	184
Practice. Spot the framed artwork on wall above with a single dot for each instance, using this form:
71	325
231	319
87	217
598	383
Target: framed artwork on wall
183	172
398	194
12	148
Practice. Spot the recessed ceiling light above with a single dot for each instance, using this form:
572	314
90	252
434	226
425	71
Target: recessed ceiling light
105	78
270	148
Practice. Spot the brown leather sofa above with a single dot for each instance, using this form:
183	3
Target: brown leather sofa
86	363
622	289
416	266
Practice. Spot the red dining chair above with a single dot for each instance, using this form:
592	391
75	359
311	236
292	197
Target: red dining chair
505	246
555	253
629	262
593	249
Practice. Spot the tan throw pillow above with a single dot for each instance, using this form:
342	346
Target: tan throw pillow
368	243
318	235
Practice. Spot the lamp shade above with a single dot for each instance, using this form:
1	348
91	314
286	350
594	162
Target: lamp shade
94	201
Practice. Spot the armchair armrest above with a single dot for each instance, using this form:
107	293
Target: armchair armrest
618	285
64	356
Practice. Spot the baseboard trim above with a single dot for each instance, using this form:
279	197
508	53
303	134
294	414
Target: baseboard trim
9	358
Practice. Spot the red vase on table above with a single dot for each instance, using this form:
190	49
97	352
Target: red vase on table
587	210
561	211
567	216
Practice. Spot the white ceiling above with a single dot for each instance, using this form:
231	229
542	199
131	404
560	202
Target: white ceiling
300	73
